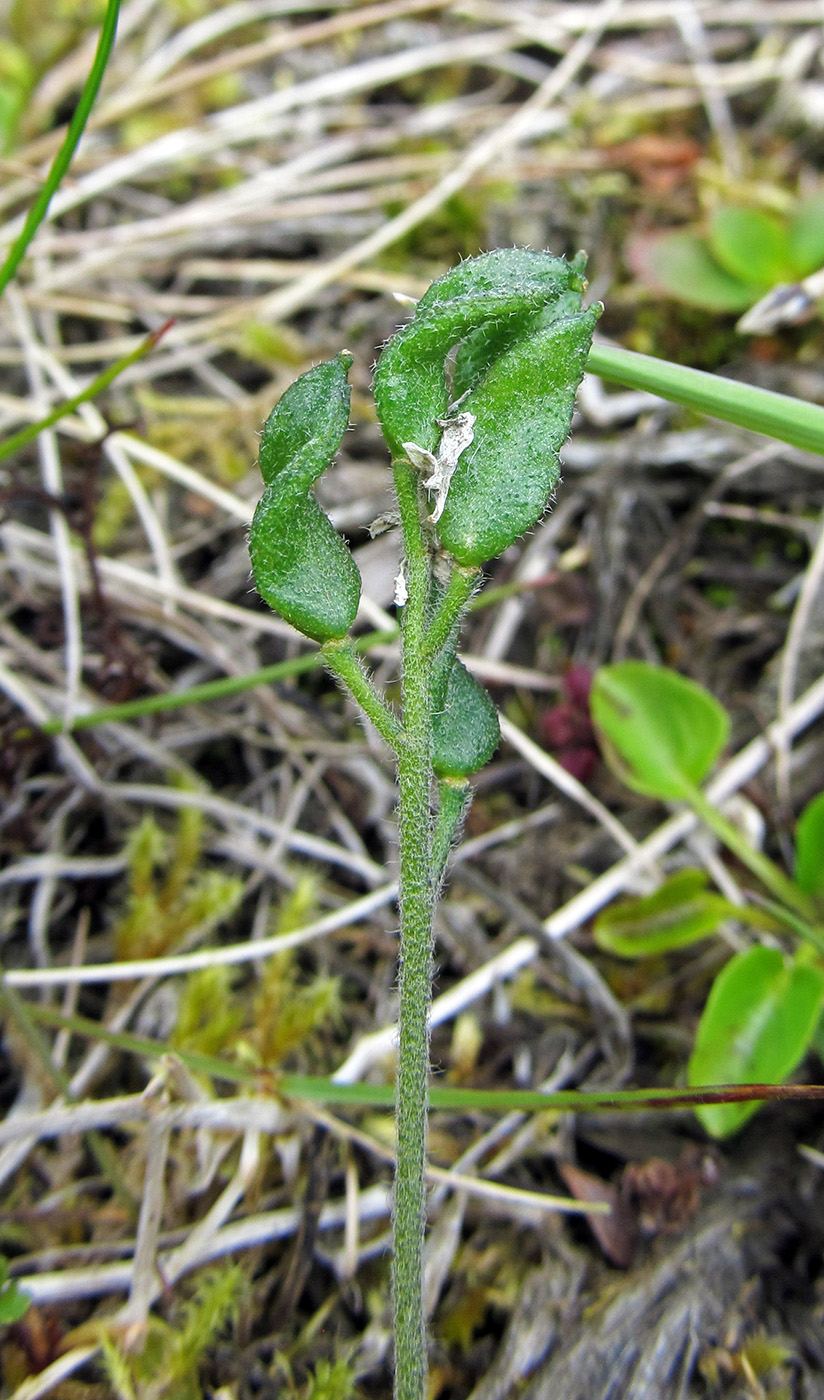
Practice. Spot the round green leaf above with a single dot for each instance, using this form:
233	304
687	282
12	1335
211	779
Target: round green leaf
809	849
756	1027
660	732
302	567
750	244
680	265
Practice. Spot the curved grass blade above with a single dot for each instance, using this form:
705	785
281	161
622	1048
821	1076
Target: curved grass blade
63	159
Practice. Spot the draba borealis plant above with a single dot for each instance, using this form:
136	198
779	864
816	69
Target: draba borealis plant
475	396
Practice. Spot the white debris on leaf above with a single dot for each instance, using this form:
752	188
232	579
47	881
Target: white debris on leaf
401	587
458	433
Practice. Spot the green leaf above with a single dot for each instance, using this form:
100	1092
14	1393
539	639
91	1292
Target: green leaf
13	1302
757	1025
750	244
680	912
302	567
809	849
681	265
523	408
465	729
805	235
486	301
660	732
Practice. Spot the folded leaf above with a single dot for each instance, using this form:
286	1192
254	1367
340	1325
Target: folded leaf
302	567
478	309
523	407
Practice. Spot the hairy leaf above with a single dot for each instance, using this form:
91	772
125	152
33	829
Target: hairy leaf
473	318
302	567
465	730
523	408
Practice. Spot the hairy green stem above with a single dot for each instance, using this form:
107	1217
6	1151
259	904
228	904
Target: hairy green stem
417	900
344	663
455	796
462	584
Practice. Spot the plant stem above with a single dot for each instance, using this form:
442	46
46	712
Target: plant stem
760	410
344	663
773	879
417	899
462	584
97	385
455	797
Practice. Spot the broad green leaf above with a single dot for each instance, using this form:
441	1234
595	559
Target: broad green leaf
681	265
805	235
681	912
465	730
750	244
756	1027
302	567
809	849
522	407
660	732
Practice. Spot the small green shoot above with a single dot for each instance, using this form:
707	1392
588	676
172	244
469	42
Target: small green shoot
662	734
741	252
166	1366
475	397
169	897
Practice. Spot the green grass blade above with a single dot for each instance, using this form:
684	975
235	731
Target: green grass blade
319	1090
97	386
777	415
63	159
210	690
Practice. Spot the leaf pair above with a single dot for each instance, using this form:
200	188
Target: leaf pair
502	338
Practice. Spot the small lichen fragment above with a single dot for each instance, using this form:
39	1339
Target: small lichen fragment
458	433
401	587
